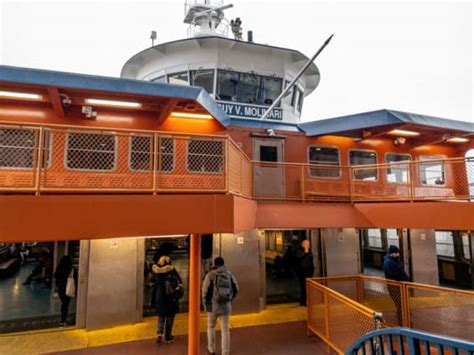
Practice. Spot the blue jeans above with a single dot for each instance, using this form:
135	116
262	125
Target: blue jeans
211	332
165	326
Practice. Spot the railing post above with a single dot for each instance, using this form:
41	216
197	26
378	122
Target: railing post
405	305
410	180
226	157
326	315
351	184
303	193
156	150
39	161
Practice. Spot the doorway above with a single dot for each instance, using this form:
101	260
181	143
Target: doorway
269	179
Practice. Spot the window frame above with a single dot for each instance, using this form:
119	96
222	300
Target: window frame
168	75
453	244
408	169
223	156
66	145
214	77
152	153
173	140
261	98
237	87
350	165
426	161
338	162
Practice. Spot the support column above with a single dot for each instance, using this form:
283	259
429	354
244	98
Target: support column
194	293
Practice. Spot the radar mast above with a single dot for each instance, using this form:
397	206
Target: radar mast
206	18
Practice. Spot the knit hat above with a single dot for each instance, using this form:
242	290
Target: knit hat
393	249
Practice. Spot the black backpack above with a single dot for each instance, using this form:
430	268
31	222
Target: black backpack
223	291
173	289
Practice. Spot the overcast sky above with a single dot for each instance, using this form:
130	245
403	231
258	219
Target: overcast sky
414	57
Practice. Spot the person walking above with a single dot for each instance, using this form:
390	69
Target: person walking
393	270
304	268
219	288
169	289
61	275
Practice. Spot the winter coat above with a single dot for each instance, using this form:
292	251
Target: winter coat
210	303
393	269
304	266
61	275
165	306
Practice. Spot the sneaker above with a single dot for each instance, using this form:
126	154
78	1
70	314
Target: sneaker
170	340
159	338
62	324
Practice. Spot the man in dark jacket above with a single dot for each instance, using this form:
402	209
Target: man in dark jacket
219	288
393	270
304	268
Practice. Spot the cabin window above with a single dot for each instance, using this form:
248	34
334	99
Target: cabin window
205	156
288	98
392	237
271	89
299	106
91	151
375	238
203	78
465	246
179	78
444	243
160	79
166	156
325	156
432	173
268	153
227	83
249	88
363	157
140	153
397	173
17	149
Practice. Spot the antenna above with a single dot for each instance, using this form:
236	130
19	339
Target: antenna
153	37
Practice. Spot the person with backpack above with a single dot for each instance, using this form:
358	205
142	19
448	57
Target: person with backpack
219	288
169	289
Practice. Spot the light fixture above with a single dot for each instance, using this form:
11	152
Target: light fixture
401	132
113	103
457	140
399	140
20	95
203	116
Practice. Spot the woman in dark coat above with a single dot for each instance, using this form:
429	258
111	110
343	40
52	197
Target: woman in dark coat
63	270
167	304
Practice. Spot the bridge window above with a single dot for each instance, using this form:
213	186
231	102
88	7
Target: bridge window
444	243
299	104
205	156
203	78
375	238
160	79
363	157
432	173
325	156
271	89
91	151
288	98
179	78
466	253
249	88
17	149
397	173
227	83
140	153
166	156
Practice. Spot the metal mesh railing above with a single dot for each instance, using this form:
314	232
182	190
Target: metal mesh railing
422	307
240	171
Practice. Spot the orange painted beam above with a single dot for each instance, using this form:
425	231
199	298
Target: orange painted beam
194	293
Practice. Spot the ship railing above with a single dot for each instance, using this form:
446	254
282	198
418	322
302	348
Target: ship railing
343	308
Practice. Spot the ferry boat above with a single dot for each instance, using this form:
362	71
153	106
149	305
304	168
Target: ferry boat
109	170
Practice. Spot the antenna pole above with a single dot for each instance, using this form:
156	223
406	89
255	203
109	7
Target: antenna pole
285	91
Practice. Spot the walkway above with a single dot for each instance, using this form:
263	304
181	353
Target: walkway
284	339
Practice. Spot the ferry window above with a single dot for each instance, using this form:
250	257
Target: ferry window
444	243
249	88
90	151
299	106
179	78
271	89
227	82
465	246
363	157
375	238
392	237
268	153
203	78
288	98
140	153
326	156
205	156
166	156
160	79
397	173
17	149
432	173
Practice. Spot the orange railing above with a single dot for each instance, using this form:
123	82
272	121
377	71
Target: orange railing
347	304
84	159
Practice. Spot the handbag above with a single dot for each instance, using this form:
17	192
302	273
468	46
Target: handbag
71	285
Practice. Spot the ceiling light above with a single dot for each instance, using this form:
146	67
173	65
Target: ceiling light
457	140
112	103
20	95
401	132
204	116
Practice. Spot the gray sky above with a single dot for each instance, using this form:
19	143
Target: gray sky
414	57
